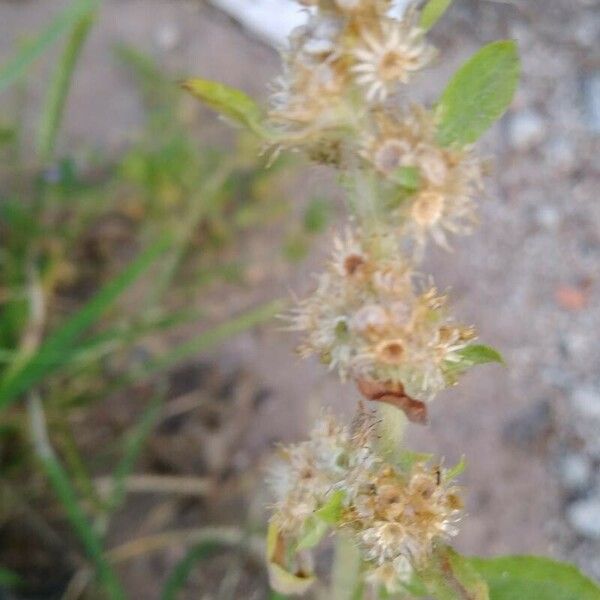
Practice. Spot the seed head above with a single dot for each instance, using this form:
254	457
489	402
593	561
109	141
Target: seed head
368	320
388	53
395	514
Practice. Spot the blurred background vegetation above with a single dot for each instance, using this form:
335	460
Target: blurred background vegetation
105	266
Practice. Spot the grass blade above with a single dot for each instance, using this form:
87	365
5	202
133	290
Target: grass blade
64	490
98	346
56	98
133	446
58	347
18	65
207	339
157	89
179	575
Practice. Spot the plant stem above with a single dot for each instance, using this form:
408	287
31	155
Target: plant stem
345	575
74	462
391	431
64	490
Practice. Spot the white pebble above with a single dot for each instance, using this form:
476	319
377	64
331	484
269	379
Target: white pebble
575	471
591	100
586	401
168	37
526	129
584	517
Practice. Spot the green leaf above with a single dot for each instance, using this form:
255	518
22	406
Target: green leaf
230	102
53	111
478	94
314	531
17	67
474	354
433	12
456	470
531	577
479	354
331	511
408	178
58	347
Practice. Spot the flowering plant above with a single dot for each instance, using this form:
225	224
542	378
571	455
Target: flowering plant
412	177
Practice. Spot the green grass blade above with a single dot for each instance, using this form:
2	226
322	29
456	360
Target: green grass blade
156	88
183	568
208	339
58	347
200	343
111	340
59	480
133	445
54	107
18	65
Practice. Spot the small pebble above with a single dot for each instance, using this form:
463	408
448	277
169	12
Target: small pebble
168	37
575	471
591	101
586	31
584	517
585	400
526	129
561	154
548	217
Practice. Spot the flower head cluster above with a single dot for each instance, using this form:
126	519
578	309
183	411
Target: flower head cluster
394	513
366	320
351	55
446	179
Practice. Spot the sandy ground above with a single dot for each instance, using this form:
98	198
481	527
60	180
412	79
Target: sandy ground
528	278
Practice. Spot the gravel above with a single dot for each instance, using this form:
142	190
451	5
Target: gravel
584	517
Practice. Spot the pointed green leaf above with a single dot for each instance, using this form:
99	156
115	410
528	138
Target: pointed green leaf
531	577
474	354
433	12
478	94
456	470
479	354
331	511
230	102
56	98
